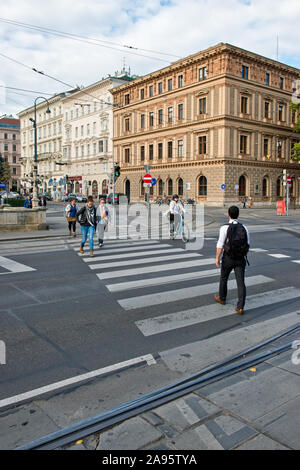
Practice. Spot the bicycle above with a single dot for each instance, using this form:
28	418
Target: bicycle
182	229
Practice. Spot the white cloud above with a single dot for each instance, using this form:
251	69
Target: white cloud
180	27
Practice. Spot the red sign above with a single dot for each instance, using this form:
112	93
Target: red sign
147	178
289	180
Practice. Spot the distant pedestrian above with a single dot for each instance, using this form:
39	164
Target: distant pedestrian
71	213
244	201
102	220
28	202
42	201
234	242
88	222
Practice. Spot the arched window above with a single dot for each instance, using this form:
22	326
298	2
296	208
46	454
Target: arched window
278	187
180	187
160	187
242	186
77	187
170	187
104	187
265	187
202	186
94	188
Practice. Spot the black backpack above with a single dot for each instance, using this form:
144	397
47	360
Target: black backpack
236	245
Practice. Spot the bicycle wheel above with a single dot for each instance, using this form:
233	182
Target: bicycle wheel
185	233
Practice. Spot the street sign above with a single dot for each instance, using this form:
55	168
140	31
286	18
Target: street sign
187	186
153	181
236	186
289	180
3	185
147	178
147	185
223	186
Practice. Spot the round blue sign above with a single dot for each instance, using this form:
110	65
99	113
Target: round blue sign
153	181
223	186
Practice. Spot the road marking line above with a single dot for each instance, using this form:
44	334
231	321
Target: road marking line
172	321
278	255
296	261
258	250
177	252
118	287
158	298
129	255
159	268
14	266
79	378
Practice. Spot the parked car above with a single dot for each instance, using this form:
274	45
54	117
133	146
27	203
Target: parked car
45	195
118	196
103	196
70	196
10	195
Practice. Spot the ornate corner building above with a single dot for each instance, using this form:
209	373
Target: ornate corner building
214	126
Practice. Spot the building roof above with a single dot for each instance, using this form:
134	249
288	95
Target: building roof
9	122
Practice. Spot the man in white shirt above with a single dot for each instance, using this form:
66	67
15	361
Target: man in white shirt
234	243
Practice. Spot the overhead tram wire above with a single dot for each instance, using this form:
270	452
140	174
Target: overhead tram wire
82	90
22	89
87	40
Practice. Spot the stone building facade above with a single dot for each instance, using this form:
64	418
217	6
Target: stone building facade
10	149
49	145
74	140
213	126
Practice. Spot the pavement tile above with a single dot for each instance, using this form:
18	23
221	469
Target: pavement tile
22	425
222	432
253	394
261	442
133	434
282	423
187	411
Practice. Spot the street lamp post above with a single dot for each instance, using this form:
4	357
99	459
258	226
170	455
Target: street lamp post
35	200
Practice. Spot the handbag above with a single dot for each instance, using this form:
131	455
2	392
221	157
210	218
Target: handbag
71	219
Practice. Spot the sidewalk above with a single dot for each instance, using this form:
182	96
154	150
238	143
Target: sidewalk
257	409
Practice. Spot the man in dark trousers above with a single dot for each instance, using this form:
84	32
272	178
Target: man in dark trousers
234	242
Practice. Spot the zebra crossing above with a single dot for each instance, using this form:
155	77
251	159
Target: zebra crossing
28	247
127	266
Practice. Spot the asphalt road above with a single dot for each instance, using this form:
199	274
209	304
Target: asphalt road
70	315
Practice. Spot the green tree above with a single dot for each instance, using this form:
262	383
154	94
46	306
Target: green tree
295	108
5	171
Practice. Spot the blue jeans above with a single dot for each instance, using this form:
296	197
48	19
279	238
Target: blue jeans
87	231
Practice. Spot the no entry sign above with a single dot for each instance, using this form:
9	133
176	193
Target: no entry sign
147	178
289	180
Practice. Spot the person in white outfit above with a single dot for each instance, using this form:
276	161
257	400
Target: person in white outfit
102	220
176	211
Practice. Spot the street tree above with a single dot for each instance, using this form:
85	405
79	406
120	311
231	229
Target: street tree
5	171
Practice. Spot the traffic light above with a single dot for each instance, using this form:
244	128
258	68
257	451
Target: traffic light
117	171
284	178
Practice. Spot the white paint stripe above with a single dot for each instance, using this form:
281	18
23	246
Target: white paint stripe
258	250
148	260
278	255
162	280
172	321
14	266
158	298
34	251
296	261
159	268
106	249
79	378
129	255
117	241
193	357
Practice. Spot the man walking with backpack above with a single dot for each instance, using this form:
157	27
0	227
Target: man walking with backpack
234	242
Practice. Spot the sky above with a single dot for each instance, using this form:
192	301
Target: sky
156	31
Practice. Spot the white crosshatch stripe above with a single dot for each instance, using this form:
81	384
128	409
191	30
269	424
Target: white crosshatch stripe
161	280
278	255
158	298
158	267
107	257
177	252
194	316
14	266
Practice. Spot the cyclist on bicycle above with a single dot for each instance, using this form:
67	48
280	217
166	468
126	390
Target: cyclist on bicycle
176	212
